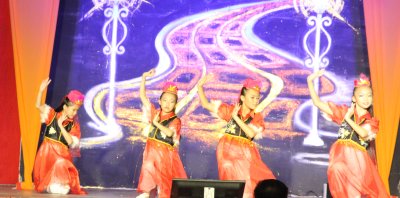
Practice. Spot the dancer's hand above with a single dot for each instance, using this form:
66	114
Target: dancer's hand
350	111
315	75
156	118
64	132
42	87
61	119
204	79
44	84
236	109
149	73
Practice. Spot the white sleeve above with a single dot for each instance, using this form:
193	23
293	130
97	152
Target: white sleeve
371	135
257	130
44	113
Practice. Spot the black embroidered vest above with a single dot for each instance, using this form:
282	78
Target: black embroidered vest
232	128
155	132
53	132
346	133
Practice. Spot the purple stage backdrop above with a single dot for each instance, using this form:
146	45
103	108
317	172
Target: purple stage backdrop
102	47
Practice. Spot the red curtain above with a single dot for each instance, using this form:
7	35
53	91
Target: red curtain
9	122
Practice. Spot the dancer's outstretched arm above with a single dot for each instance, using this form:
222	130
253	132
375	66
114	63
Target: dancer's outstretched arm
323	106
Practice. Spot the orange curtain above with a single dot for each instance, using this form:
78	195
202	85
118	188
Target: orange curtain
33	25
383	39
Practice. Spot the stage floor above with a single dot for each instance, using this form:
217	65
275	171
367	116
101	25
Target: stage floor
9	191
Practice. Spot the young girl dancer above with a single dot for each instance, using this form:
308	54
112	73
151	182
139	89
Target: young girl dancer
161	161
237	155
54	171
351	172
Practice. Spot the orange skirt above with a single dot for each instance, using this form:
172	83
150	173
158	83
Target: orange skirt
53	165
239	159
352	173
161	164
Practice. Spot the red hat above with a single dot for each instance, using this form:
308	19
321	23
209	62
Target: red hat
170	87
76	97
362	82
252	84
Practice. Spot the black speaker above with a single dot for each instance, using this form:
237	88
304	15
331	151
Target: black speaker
199	188
394	177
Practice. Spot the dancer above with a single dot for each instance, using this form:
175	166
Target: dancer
161	161
351	172
54	171
237	155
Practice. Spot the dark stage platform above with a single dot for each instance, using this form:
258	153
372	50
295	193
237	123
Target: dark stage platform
9	191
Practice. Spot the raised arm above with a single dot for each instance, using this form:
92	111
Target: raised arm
43	86
142	92
276	88
203	99
323	106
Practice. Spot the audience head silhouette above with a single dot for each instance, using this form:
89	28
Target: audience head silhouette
271	188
